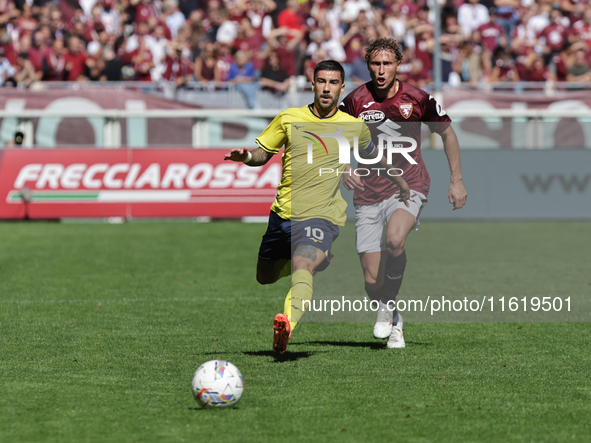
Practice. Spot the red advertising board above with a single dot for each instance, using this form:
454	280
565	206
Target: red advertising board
57	183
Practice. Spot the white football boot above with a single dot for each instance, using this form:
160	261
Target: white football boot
383	326
396	340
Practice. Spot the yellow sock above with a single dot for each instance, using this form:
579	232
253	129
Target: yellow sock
301	291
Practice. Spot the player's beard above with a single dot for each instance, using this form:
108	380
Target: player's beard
326	107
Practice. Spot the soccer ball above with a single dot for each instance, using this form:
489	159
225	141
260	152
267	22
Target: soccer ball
218	384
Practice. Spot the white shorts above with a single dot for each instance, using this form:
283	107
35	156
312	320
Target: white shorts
373	219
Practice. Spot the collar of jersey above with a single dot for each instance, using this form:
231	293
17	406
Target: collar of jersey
320	118
371	89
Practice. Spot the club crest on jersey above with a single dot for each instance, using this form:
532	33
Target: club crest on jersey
405	109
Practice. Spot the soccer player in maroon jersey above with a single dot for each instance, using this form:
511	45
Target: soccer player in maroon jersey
393	109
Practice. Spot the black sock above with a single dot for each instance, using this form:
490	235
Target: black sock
373	295
393	279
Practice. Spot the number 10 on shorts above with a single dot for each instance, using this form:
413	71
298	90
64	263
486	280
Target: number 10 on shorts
317	233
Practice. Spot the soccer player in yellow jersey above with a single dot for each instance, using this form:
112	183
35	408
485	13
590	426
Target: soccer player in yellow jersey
308	209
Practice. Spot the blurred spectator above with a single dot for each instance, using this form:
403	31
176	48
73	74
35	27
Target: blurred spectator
416	76
329	12
259	14
188	6
536	70
507	16
157	46
226	30
173	17
582	29
75	60
54	63
112	72
284	42
38	51
504	69
142	60
492	32
290	18
352	9
242	76
224	62
474	60
25	72
574	9
57	27
539	18
311	62
396	21
178	67
553	37
6	69
471	15
250	40
145	10
333	47
273	76
359	71
110	35
206	63
580	71
142	33
95	63
26	23
561	62
109	16
352	41
423	49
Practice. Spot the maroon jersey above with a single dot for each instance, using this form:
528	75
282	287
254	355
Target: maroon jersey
490	33
555	36
410	107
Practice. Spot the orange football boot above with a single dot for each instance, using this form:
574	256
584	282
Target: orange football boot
282	333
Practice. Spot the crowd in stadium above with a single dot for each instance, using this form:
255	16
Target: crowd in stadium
266	43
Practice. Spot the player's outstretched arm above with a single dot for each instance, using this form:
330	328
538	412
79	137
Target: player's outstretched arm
258	156
457	192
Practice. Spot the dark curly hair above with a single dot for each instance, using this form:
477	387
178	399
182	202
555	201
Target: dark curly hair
383	44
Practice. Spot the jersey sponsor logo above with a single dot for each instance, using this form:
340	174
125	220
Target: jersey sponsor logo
368	105
372	116
405	109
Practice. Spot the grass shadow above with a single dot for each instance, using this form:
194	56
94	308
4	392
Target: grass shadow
361	344
279	358
351	344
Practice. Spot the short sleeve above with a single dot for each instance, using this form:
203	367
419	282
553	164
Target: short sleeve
274	136
347	106
434	116
365	136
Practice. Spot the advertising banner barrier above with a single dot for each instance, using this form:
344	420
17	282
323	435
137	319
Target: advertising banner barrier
58	183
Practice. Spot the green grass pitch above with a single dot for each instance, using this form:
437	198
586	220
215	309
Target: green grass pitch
102	327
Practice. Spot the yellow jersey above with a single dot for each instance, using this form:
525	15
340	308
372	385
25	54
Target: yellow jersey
312	170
